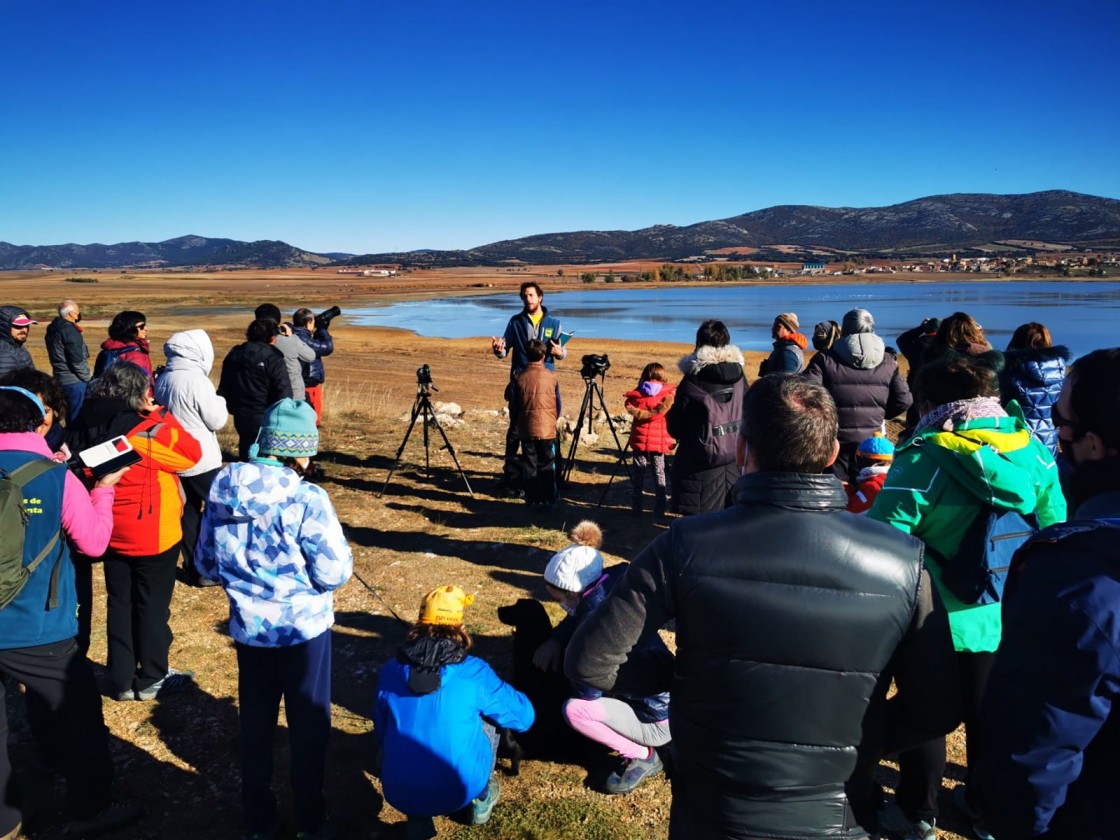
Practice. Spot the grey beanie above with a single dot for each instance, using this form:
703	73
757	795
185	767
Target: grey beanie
857	321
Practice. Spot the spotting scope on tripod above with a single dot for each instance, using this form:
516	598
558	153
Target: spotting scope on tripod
594	371
422	408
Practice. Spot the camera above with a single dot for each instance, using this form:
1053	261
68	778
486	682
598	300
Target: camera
595	365
424	377
324	318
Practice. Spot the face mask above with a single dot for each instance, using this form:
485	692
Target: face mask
78	320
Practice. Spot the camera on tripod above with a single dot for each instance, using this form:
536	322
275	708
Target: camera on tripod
424	375
595	365
324	318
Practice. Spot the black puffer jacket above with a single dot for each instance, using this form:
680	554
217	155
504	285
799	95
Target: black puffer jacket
865	383
13	355
254	376
698	487
789	613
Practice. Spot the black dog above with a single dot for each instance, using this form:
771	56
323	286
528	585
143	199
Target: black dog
549	736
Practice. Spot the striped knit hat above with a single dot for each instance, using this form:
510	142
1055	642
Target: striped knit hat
287	431
876	448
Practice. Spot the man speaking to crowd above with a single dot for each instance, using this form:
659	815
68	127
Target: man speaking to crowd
532	322
792	615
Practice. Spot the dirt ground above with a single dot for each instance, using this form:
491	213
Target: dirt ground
178	756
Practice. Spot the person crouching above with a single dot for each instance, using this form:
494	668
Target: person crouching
435	718
275	544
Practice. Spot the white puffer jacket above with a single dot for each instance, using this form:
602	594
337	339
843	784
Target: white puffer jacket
185	389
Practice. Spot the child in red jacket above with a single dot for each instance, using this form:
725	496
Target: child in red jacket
873	459
649	436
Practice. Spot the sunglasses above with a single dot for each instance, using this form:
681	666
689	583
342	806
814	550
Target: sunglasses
141	326
1061	420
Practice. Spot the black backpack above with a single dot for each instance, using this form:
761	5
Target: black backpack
723	416
13	528
977	573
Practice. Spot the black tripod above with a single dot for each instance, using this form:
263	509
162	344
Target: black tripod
591	390
422	407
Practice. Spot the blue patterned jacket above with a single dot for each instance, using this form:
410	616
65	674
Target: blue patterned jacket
274	542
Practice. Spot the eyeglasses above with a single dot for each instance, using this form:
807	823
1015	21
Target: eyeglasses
1061	420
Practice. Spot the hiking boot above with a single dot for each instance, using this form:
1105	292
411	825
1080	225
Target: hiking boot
897	824
113	816
481	808
174	680
420	828
633	772
960	799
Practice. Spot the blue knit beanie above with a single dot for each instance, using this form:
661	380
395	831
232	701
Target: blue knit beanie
287	431
876	448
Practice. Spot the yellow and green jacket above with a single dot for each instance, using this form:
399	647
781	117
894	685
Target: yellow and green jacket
941	481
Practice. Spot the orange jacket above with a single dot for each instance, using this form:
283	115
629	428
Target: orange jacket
149	501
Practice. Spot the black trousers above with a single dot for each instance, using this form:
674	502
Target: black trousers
301	675
60	680
138	611
922	768
539	457
248	427
196	488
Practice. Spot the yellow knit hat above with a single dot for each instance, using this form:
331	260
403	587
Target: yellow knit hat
444	606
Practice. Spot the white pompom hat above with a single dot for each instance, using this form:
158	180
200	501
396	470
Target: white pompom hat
578	566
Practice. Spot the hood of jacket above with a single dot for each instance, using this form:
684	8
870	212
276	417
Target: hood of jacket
7	315
710	357
425	657
190	350
863	351
1037	366
990	457
252	491
140	344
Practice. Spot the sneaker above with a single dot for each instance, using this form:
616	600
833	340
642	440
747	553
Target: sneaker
897	824
174	680
482	807
633	772
127	694
960	800
115	815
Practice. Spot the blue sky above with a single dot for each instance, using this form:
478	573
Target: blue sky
367	126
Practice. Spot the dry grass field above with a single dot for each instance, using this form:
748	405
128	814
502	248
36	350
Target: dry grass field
178	756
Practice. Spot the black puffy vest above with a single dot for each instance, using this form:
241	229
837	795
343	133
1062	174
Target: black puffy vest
788	609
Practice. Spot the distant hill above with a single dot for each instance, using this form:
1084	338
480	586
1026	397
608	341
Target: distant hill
173	253
937	225
934	225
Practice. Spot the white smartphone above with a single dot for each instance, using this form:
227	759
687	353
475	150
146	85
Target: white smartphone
110	456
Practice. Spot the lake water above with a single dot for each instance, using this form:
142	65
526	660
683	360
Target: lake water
1081	315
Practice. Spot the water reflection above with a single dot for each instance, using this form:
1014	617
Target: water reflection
1081	315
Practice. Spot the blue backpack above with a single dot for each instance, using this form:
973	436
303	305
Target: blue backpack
107	358
977	573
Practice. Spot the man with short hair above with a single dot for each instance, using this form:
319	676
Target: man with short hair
295	351
792	616
321	343
532	322
15	326
69	355
1051	711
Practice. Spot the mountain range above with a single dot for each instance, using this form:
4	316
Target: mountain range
926	226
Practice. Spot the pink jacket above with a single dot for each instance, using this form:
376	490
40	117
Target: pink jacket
87	516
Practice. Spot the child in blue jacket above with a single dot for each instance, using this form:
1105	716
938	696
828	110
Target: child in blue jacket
435	718
275	544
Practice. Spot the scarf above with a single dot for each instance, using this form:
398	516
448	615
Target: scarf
951	415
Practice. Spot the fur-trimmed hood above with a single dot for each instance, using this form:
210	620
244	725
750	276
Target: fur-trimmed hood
708	356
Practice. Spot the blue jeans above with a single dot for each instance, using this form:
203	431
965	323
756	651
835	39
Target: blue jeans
75	396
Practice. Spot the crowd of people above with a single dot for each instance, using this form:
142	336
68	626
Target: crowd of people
824	551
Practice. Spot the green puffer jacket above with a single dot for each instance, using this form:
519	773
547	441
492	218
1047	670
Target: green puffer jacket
938	484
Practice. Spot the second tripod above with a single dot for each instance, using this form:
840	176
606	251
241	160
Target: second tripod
594	367
422	408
